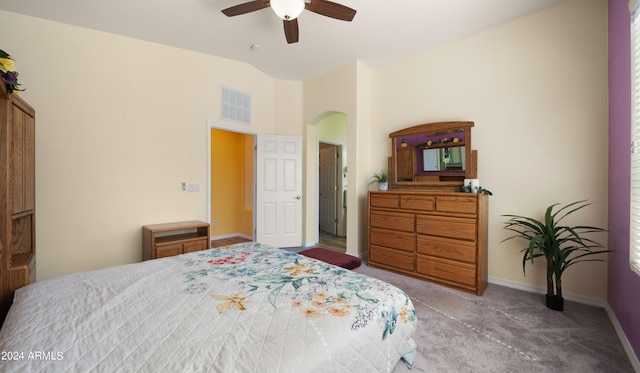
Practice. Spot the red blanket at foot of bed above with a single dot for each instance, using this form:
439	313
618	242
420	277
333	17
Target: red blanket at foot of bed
332	257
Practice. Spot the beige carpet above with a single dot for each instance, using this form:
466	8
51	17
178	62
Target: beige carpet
505	330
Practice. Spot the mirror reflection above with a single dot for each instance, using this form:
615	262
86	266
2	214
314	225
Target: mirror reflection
442	152
443	159
432	154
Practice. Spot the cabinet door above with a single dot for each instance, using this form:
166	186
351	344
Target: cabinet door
29	124
406	164
22	161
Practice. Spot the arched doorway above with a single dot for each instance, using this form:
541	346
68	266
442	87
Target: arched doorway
331	135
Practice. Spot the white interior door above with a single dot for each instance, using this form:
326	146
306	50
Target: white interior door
328	188
279	190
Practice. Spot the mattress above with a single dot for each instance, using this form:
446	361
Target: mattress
241	308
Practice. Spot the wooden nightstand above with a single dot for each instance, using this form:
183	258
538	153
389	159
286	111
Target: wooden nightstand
162	240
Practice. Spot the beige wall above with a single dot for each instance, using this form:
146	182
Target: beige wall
344	90
120	124
537	91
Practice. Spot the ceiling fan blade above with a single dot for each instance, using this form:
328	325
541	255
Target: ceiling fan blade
330	9
244	8
291	31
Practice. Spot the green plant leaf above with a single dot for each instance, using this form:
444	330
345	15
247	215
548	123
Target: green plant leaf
563	246
381	177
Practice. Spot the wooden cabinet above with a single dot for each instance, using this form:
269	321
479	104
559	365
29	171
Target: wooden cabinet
162	240
17	197
436	236
406	164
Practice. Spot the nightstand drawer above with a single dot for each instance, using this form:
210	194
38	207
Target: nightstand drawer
196	245
168	249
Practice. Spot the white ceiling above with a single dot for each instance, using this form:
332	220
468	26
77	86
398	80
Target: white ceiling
381	32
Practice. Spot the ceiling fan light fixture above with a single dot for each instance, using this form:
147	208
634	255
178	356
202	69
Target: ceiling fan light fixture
287	9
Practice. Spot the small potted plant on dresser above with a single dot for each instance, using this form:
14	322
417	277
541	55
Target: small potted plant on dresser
562	246
382	178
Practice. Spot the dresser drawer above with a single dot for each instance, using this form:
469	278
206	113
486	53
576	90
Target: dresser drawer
422	203
196	245
385	200
168	249
390	257
446	270
390	220
443	226
458	250
462	204
393	239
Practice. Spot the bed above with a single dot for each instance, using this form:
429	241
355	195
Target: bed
241	308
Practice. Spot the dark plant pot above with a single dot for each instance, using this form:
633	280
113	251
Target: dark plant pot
555	302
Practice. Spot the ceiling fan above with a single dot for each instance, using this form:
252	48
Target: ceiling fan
289	10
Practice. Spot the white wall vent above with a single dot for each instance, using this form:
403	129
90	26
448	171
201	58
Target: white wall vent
236	106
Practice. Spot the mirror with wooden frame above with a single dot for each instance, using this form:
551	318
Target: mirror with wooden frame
432	155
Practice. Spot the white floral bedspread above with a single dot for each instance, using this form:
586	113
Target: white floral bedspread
242	308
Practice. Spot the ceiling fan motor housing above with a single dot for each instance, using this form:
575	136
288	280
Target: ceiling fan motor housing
287	9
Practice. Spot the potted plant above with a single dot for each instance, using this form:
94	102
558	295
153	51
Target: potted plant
382	178
562	246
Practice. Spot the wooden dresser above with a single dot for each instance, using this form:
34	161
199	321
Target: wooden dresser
435	236
17	196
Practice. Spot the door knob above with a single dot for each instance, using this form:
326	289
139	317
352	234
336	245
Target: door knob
298	197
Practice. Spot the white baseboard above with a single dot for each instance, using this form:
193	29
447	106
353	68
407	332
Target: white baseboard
543	290
633	359
223	236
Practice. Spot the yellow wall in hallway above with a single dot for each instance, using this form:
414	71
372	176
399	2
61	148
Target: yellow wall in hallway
230	208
